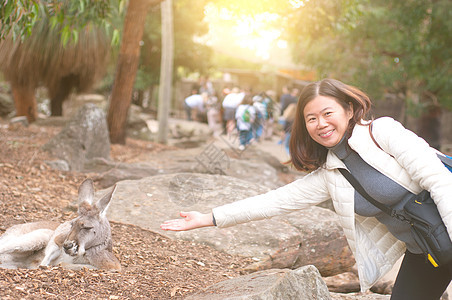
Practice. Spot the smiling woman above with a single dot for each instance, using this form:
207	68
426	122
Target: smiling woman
330	134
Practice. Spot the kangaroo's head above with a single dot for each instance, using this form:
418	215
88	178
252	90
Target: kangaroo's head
91	228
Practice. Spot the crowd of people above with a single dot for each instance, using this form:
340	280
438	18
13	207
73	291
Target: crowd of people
239	112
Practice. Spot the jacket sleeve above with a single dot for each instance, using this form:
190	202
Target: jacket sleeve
420	161
302	193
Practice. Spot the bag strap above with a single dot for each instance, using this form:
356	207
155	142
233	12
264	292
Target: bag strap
372	136
374	140
359	188
446	160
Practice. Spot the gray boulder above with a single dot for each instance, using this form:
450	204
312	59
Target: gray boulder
83	138
6	104
108	172
310	236
183	161
359	296
183	133
302	284
137	125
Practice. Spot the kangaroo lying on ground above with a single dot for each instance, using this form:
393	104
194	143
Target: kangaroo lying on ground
82	242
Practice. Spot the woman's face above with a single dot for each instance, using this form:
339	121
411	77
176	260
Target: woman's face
326	120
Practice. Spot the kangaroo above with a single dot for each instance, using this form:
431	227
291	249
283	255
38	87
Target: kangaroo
82	242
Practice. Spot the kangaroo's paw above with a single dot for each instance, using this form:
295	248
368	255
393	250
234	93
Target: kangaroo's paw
52	252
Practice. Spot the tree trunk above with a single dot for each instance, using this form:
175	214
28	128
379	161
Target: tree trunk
166	70
128	59
25	102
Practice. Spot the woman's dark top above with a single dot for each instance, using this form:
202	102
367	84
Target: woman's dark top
381	188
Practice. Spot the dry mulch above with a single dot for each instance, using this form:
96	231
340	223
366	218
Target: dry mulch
153	266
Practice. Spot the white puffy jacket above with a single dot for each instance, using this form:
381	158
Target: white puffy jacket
406	159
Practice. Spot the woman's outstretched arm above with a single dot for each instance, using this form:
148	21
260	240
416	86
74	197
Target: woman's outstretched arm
190	220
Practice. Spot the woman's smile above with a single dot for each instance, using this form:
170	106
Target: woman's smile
327	134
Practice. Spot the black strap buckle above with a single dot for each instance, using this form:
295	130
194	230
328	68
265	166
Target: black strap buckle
400	217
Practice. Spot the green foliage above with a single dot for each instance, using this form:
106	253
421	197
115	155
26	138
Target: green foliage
67	16
72	16
17	17
382	46
189	56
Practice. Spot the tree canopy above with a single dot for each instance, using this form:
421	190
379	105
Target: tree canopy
395	46
189	56
19	16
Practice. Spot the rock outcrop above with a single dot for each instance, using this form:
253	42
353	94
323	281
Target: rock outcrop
84	137
302	284
312	236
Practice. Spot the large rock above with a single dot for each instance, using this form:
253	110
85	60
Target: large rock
109	172
319	229
254	153
184	161
137	126
183	133
302	284
85	137
6	104
359	296
311	236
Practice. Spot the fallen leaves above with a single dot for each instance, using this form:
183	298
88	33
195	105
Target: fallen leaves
154	267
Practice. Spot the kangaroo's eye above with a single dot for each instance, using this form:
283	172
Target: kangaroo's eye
85	226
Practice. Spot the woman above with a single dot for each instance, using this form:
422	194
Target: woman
330	132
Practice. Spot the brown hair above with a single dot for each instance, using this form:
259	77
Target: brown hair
306	154
247	100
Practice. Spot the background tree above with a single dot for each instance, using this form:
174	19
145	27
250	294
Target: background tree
166	70
395	45
189	56
127	65
19	16
398	47
47	58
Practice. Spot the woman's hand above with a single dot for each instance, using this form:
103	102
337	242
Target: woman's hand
191	220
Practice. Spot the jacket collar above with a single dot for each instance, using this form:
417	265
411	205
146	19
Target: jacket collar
358	142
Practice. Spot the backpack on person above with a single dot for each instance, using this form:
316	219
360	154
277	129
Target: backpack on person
246	116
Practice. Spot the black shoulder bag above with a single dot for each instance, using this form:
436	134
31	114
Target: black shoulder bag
427	227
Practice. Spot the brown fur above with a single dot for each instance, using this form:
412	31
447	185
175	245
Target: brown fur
82	242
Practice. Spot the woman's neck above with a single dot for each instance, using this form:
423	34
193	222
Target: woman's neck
342	149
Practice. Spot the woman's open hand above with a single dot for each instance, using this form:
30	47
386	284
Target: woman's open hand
191	220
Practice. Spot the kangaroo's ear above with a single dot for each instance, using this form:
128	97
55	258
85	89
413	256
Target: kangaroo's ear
103	203
86	192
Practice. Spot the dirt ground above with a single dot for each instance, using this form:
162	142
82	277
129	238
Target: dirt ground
153	267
